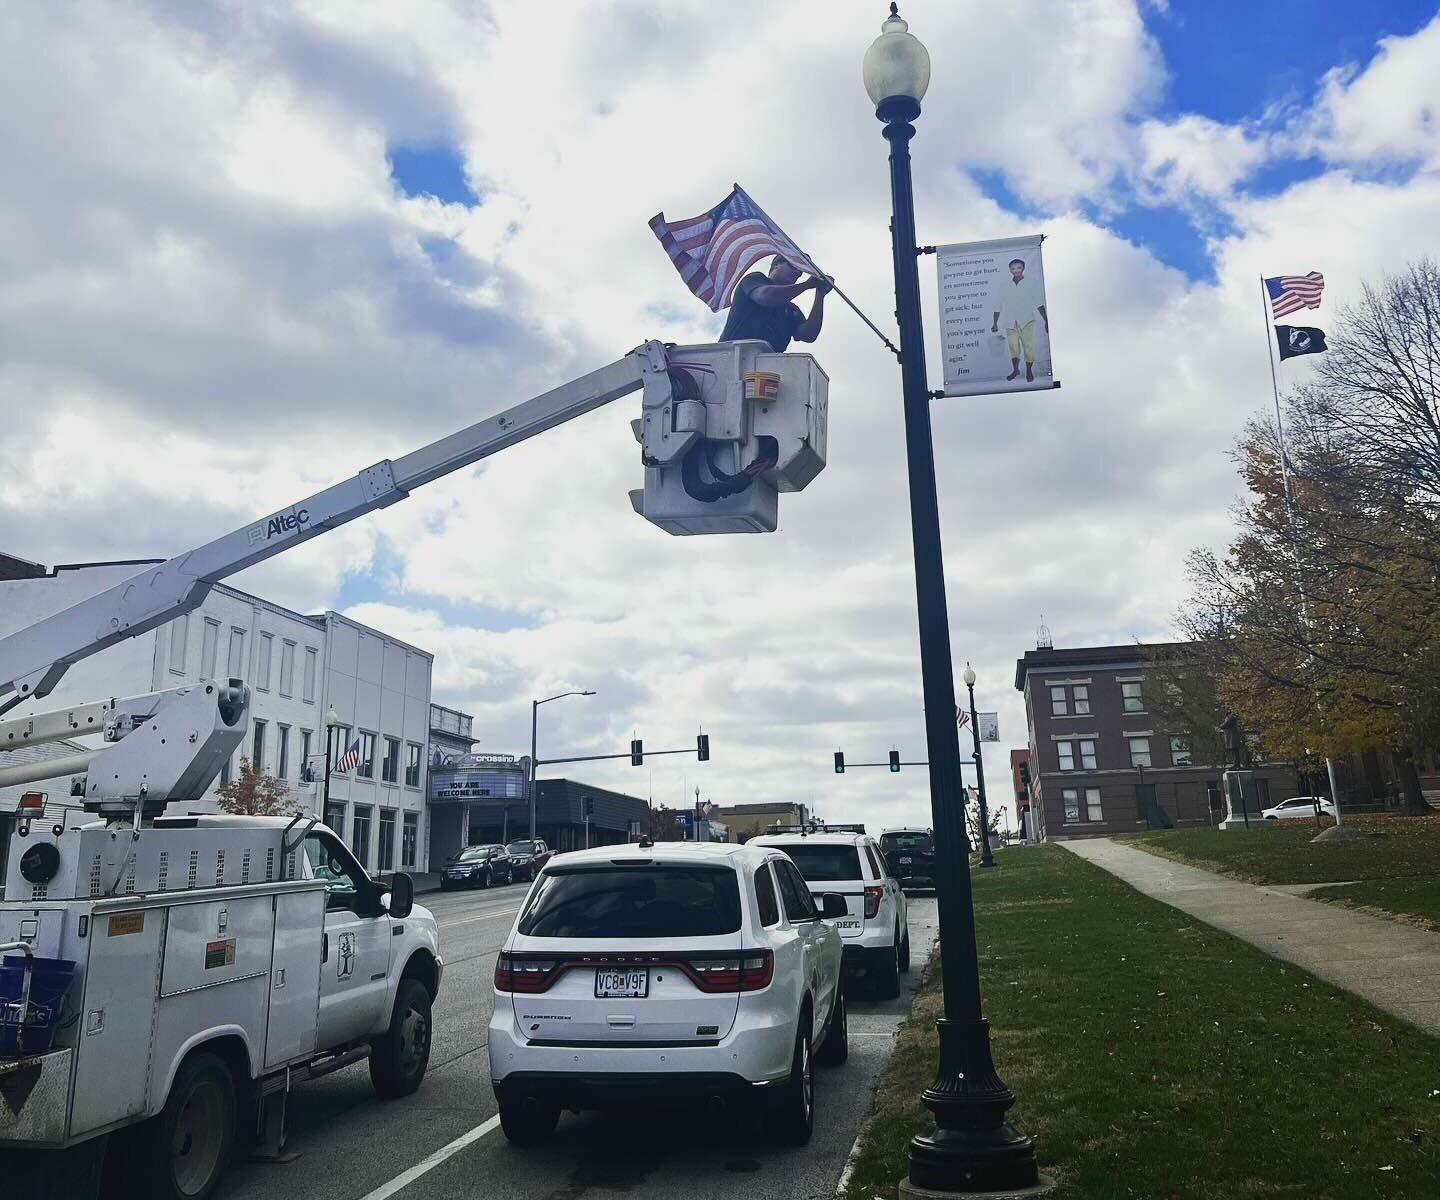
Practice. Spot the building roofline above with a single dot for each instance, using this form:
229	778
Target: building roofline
1136	652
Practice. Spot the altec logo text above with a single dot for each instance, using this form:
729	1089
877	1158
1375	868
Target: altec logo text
279	525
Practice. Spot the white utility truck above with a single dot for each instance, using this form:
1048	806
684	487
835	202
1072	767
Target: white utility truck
163	976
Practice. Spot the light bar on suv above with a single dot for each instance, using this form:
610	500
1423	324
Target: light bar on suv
743	971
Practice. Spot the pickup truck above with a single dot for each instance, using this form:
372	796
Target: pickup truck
211	961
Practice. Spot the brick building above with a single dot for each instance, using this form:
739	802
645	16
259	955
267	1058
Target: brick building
1100	763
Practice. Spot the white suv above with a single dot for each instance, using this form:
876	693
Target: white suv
666	973
875	929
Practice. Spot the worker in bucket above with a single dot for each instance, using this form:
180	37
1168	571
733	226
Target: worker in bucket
764	307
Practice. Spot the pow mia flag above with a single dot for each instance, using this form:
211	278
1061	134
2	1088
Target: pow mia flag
1299	339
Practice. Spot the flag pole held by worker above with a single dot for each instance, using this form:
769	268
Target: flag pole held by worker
713	252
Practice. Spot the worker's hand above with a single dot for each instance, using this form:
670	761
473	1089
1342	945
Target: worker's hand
822	284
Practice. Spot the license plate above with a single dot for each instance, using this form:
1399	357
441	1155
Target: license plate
906	861
622	984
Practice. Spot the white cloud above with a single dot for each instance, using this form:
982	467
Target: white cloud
216	302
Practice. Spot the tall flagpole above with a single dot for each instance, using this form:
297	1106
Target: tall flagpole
1265	316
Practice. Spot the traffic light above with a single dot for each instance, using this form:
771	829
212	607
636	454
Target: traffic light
839	762
702	747
589	806
637	752
1025	775
894	760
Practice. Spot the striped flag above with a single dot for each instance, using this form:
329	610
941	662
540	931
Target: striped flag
1290	293
350	759
962	718
713	251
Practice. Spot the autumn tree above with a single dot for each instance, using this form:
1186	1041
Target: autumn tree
255	794
665	825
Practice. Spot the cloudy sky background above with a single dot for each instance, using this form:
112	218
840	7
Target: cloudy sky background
251	248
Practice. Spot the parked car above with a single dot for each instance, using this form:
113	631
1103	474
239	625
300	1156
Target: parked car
527	856
477	866
910	855
1298	807
875	928
667	973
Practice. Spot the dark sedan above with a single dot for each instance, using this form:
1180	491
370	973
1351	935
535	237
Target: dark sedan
477	866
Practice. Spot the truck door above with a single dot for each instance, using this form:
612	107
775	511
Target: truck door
355	966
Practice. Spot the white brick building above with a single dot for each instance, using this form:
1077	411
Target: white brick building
298	668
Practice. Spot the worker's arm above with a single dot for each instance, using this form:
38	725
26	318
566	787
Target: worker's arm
776	295
809	329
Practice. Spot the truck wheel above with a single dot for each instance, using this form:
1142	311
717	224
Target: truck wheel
792	1118
399	1056
887	978
527	1122
191	1140
835	1049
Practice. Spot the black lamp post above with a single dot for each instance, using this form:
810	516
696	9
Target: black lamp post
971	1147
332	719
986	858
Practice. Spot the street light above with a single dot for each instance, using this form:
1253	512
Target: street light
986	858
534	723
332	719
971	1146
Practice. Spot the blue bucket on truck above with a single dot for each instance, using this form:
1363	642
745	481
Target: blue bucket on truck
49	985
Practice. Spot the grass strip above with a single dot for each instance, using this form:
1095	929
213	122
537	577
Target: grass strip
1156	1057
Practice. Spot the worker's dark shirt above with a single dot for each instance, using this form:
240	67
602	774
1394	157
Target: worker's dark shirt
776	325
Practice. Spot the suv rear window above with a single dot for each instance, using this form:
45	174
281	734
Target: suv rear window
824	862
893	842
634	902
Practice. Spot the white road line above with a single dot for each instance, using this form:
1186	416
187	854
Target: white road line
425	1166
485	917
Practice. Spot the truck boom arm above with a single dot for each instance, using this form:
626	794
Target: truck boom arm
33	659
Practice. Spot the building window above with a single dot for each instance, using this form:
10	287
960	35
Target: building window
1180	751
209	649
1093	811
179	631
409	841
360	835
282	753
287	668
312	659
390	764
1058	707
335	817
1071	797
257	752
262	664
1081	695
386	861
412	764
1087	755
1132	698
237	653
337	737
1066	751
307	773
366	769
1139	751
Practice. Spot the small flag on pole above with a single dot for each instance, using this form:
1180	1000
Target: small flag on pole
1290	293
1296	340
713	251
350	759
962	718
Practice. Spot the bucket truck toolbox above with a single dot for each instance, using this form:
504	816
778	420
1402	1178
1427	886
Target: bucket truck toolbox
156	976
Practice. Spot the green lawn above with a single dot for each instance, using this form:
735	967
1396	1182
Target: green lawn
1398	872
1155	1057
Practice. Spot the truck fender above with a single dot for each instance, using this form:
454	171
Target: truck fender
229	1042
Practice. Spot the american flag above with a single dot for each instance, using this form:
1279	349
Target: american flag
350	759
713	251
962	718
1290	293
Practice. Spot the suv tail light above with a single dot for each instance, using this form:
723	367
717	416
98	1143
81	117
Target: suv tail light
873	896
750	971
524	974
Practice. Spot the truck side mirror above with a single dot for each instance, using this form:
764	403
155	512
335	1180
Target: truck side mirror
832	905
402	894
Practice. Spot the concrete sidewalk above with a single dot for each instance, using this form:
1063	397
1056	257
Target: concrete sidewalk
1393	966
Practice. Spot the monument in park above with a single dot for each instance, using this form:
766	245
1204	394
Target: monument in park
1238	780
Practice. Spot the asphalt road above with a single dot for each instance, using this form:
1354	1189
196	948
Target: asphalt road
354	1146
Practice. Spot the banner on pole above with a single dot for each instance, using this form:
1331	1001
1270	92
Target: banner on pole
989	726
994	323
